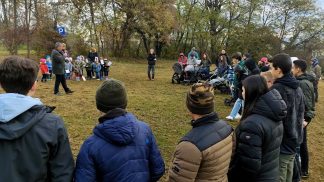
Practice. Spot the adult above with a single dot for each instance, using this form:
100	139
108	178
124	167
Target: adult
204	153
34	142
316	68
191	66
182	60
252	66
292	94
122	148
151	61
193	52
263	64
59	69
92	54
223	53
205	63
306	84
259	133
240	73
222	65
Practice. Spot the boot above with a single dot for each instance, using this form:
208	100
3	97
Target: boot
149	76
152	76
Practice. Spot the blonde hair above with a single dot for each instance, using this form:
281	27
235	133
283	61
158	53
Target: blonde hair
93	49
267	75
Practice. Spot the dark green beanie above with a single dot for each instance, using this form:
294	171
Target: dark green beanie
111	94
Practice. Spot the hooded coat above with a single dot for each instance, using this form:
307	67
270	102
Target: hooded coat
292	94
34	144
258	139
306	84
120	149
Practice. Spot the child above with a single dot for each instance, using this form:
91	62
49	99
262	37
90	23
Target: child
97	69
44	69
151	59
68	68
106	67
49	65
88	67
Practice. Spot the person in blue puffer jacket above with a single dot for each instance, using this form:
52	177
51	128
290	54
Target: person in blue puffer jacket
122	148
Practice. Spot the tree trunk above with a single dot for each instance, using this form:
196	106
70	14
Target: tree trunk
14	49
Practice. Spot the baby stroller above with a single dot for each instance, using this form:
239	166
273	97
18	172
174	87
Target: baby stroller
178	75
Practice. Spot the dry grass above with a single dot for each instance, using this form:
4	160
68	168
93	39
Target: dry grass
159	103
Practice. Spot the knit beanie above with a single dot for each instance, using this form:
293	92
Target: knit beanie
200	99
111	94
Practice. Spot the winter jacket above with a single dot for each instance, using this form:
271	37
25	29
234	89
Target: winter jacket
258	139
195	53
49	64
318	71
204	153
151	59
120	149
292	94
43	68
34	143
96	67
183	61
306	84
88	66
92	56
58	62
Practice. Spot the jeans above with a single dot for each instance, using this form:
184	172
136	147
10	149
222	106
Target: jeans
304	152
98	75
237	106
60	78
286	167
150	70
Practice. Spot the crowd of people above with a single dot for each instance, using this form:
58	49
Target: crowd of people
66	68
269	143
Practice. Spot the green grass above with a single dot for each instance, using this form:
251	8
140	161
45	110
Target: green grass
159	103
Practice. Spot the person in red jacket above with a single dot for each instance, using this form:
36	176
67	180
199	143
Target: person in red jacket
44	69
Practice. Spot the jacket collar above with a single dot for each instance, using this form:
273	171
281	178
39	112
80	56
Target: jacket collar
210	118
112	114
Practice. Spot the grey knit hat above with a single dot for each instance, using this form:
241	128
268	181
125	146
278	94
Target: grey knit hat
111	94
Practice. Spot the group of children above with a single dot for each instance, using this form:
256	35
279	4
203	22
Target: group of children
74	69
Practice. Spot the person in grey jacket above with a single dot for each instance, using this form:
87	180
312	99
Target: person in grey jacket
59	69
34	143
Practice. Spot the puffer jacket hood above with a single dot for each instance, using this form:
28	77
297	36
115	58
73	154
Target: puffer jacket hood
272	106
288	80
120	130
12	105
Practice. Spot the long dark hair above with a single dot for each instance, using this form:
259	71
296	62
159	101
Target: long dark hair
255	86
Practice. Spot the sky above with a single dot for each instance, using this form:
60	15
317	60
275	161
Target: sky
320	3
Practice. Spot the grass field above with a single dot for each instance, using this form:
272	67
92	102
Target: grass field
159	103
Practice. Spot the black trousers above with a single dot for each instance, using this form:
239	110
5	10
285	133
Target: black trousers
304	152
60	79
316	91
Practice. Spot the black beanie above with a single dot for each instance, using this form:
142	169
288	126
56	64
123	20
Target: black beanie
200	99
111	94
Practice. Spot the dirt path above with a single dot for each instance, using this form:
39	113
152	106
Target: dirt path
316	141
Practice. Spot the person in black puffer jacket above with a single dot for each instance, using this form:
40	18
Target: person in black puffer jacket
151	59
259	134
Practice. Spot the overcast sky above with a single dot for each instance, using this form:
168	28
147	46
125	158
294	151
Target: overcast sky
321	3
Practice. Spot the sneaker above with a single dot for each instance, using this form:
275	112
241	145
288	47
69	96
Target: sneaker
305	175
238	116
229	117
69	92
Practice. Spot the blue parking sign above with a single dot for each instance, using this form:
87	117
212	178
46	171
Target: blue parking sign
61	31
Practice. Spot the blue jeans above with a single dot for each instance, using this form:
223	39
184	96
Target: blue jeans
237	106
150	71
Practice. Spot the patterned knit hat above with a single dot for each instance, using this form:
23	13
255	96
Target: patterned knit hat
200	99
